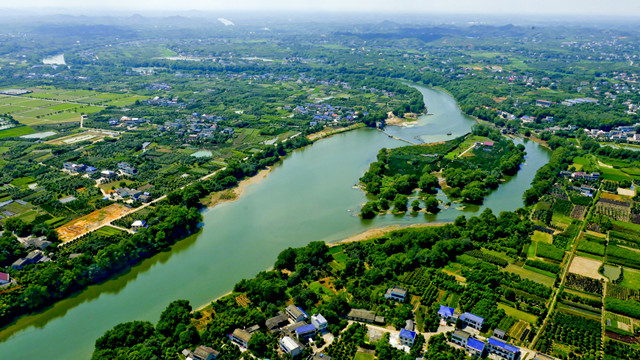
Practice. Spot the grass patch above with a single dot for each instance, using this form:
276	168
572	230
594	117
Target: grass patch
612	272
518	314
23	181
542	237
539	271
363	356
631	278
549	252
531	275
500	255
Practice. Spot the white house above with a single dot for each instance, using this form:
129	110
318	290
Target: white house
407	337
290	346
319	322
396	293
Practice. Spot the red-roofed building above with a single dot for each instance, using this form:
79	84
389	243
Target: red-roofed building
4	278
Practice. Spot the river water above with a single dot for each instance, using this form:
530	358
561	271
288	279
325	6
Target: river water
309	196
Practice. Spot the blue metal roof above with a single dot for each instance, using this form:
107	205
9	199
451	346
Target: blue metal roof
305	314
501	344
407	334
475	344
471	317
305	329
446	311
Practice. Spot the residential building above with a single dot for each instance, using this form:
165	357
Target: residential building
396	293
145	198
502	349
107	174
410	325
204	353
67	199
127	169
364	316
290	346
446	313
4	278
544	103
319	322
475	347
500	334
306	331
33	257
471	320
241	337
277	322
460	337
138	225
296	314
407	337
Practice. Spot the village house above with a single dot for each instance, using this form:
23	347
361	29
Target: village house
472	346
240	337
203	353
4	278
296	314
127	169
502	349
277	322
407	337
446	313
364	316
306	331
472	320
138	225
540	356
319	322
290	346
318	356
396	293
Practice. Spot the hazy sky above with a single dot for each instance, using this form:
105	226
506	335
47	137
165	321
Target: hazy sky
568	7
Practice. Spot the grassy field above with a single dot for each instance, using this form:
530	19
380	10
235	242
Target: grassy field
631	278
464	146
363	356
542	237
500	255
531	275
16	131
611	272
108	231
518	314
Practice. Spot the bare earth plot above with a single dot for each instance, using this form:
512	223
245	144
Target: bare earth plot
91	221
586	267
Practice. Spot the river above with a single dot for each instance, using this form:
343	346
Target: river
309	196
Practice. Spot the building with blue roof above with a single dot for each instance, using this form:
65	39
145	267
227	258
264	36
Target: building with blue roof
472	320
502	349
305	331
475	347
407	337
446	313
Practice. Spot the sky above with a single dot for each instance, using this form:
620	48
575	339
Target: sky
556	7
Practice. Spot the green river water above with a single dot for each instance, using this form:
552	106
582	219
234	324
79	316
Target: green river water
309	196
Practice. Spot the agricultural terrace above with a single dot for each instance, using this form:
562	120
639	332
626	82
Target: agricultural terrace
91	221
50	106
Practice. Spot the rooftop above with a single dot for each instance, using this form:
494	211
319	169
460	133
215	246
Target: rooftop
472	317
404	333
501	344
475	344
446	311
305	329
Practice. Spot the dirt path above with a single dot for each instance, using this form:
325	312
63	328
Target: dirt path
377	232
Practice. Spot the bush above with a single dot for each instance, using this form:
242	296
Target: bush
549	251
552	268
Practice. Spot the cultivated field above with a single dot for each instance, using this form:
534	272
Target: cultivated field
47	105
91	221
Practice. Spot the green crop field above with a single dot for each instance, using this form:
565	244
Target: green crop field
16	131
363	356
543	237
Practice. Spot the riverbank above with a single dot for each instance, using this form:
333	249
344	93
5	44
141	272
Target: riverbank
235	192
380	231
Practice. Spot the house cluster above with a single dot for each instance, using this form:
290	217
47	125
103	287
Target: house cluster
619	134
123	193
128	121
578	101
196	126
79	168
594	176
201	353
485	145
127	169
496	345
294	326
158	87
325	112
158	101
34	257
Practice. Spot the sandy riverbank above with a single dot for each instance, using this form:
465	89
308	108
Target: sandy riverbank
397	121
234	193
333	131
377	232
